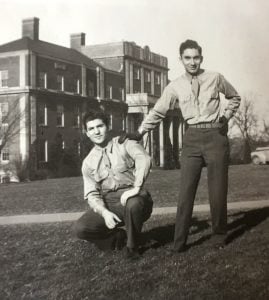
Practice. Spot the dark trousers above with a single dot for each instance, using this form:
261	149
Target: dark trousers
91	226
210	148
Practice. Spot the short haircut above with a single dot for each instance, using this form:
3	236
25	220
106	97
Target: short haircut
93	115
189	44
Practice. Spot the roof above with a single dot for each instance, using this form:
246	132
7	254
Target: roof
49	49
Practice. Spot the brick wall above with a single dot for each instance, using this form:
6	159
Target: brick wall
12	64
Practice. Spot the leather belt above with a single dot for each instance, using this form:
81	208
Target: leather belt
206	125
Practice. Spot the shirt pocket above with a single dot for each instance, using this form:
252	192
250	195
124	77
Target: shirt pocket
187	106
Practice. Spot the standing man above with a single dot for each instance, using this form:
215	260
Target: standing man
205	141
113	176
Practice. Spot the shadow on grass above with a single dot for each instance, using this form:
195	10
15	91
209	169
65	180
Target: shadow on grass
245	221
160	236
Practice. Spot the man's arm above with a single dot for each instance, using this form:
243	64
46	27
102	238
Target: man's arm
159	111
142	167
95	200
155	116
231	94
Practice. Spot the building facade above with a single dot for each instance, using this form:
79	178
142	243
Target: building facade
146	75
45	89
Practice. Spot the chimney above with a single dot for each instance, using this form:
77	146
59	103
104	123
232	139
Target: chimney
77	40
30	28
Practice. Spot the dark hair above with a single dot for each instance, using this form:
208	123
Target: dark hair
189	44
93	115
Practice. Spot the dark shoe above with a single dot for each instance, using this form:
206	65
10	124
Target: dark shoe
218	241
132	254
120	239
179	250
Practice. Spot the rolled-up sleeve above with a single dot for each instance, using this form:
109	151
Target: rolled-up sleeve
230	94
142	161
92	191
158	113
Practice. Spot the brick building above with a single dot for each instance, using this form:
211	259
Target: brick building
146	75
46	88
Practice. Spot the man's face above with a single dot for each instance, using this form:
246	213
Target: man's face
191	60
97	131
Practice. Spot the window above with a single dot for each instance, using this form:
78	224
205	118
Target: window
5	154
136	73
3	112
91	89
43	114
109	92
60	115
3	78
60	83
147	76
110	121
76	120
157	78
78	86
123	122
43	80
121	90
43	151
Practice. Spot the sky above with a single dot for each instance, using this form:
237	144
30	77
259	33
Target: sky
233	33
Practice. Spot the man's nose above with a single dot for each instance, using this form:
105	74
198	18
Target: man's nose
192	61
96	131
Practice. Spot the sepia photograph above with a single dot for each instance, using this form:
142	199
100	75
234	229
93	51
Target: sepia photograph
134	149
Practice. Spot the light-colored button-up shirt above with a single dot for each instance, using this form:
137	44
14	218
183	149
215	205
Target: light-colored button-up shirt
114	167
205	109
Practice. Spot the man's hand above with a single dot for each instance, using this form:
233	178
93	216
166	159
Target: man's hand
224	128
137	136
110	218
128	194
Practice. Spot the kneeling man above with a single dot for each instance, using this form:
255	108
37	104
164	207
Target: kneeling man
113	176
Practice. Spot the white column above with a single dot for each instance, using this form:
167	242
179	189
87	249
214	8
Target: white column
83	81
152	83
127	76
161	138
131	78
171	130
142	79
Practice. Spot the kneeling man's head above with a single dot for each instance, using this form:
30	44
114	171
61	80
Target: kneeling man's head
96	127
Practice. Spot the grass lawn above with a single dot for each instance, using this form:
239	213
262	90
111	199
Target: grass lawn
45	262
246	182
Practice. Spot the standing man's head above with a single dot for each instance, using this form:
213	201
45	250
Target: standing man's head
96	126
191	56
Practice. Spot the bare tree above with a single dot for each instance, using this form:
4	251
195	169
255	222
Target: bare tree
11	115
246	121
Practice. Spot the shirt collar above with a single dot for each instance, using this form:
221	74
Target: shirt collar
108	147
189	77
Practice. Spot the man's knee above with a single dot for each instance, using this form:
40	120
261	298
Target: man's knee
140	206
80	230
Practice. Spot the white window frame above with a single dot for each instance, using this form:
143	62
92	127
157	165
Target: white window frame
78	86
76	117
110	121
60	110
43	79
110	91
136	73
45	113
158	78
148	76
60	80
3	77
5	152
